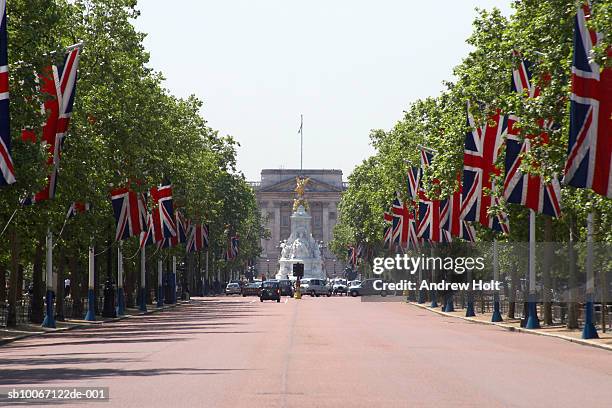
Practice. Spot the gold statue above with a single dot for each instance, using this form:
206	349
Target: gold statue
300	187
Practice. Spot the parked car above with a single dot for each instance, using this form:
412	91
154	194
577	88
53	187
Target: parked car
315	287
270	290
366	288
339	286
252	289
286	287
232	289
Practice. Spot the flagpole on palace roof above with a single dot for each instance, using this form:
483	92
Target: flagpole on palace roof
301	132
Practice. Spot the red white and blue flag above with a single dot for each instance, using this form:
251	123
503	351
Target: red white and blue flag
76	208
352	256
388	238
58	83
414	176
198	237
232	248
404	230
482	145
182	232
128	208
430	210
532	191
7	170
147	236
163	213
589	153
451	217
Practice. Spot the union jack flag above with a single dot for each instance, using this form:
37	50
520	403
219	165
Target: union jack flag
77	208
430	210
482	146
232	248
182	231
205	235
58	83
7	170
520	188
414	176
388	238
404	230
130	213
198	237
451	217
589	152
163	213
352	256
147	236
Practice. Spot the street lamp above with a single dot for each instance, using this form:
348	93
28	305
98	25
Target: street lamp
268	262
334	267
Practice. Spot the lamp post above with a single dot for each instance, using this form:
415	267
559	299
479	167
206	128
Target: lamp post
268	262
334	267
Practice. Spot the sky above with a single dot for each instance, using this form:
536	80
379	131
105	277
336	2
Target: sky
348	66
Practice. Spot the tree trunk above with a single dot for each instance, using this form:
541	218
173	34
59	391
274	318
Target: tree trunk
572	306
128	267
59	298
546	269
3	271
38	286
20	282
514	285
76	287
11	319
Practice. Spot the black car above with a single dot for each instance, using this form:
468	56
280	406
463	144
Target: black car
286	287
270	290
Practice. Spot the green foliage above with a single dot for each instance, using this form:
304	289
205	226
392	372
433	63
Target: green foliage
125	127
539	31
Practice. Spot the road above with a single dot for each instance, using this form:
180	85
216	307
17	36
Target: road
317	352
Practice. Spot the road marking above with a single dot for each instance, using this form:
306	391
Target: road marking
286	300
252	301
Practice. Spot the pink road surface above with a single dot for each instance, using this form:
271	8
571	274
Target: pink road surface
317	352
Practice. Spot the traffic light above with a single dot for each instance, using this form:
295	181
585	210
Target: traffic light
298	270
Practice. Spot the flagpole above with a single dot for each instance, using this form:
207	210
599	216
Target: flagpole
91	297
589	331
496	312
301	143
50	295
160	282
143	273
532	320
120	294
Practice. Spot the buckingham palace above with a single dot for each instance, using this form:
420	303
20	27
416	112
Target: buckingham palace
275	194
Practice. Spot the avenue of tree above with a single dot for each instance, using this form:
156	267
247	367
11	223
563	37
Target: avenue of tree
125	126
540	31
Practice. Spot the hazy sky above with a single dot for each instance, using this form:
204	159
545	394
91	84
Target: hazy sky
348	66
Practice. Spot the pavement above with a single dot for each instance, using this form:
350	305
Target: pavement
314	352
559	331
10	334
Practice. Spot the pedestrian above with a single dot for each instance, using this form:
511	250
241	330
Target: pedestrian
66	287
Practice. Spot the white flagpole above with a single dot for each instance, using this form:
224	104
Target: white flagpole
120	293
496	310
160	283
91	297
589	331
50	295
532	321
